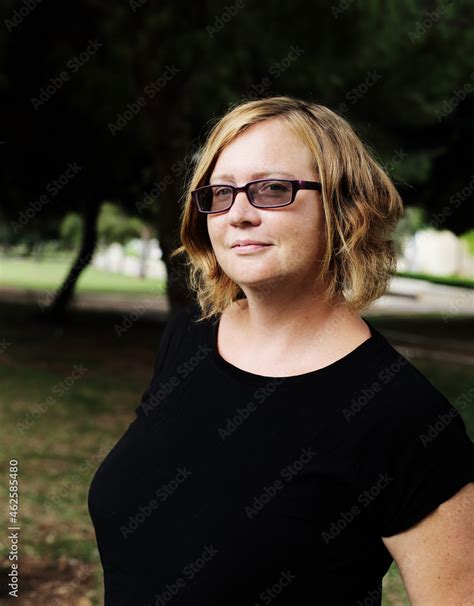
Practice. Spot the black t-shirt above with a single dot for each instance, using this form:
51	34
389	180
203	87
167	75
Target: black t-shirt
233	488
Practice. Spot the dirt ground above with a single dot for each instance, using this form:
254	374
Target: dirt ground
66	582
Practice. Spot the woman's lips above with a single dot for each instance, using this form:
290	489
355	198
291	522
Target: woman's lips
249	248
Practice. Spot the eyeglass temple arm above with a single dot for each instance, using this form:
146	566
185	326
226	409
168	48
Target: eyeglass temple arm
301	184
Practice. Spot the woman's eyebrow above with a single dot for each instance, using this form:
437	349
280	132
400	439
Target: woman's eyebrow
260	175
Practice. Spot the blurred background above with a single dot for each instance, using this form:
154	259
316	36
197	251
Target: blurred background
104	106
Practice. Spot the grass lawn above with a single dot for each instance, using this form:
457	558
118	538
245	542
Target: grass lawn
453	380
49	275
447	280
59	450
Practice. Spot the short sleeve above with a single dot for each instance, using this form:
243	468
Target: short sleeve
422	458
167	348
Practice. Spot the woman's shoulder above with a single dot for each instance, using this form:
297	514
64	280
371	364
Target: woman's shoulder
175	334
404	428
395	392
184	317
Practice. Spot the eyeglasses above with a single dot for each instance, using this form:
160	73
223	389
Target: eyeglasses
263	193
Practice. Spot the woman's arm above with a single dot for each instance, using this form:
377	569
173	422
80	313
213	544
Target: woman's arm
436	556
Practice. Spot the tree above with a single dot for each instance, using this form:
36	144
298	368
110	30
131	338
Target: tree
146	80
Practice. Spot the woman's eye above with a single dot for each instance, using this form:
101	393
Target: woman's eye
224	191
273	187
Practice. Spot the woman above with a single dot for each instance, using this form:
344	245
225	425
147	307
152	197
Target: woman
284	450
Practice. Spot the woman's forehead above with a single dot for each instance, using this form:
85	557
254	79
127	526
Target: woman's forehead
256	175
260	155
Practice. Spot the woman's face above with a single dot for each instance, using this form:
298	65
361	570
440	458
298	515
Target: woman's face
295	232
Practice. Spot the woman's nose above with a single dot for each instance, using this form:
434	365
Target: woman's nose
241	205
242	210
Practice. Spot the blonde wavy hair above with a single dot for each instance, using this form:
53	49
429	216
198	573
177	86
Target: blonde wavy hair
361	206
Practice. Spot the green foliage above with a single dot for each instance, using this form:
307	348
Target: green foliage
114	225
414	219
453	280
47	274
468	237
71	231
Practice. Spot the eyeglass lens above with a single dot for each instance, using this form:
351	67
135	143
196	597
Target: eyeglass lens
266	194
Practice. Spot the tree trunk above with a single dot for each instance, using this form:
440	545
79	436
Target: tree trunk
168	220
145	237
178	294
65	293
171	150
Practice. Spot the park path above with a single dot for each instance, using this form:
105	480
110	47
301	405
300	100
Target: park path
406	297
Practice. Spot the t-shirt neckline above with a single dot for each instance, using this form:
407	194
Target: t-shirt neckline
357	358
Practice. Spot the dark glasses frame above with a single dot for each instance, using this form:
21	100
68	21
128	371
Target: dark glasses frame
296	185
